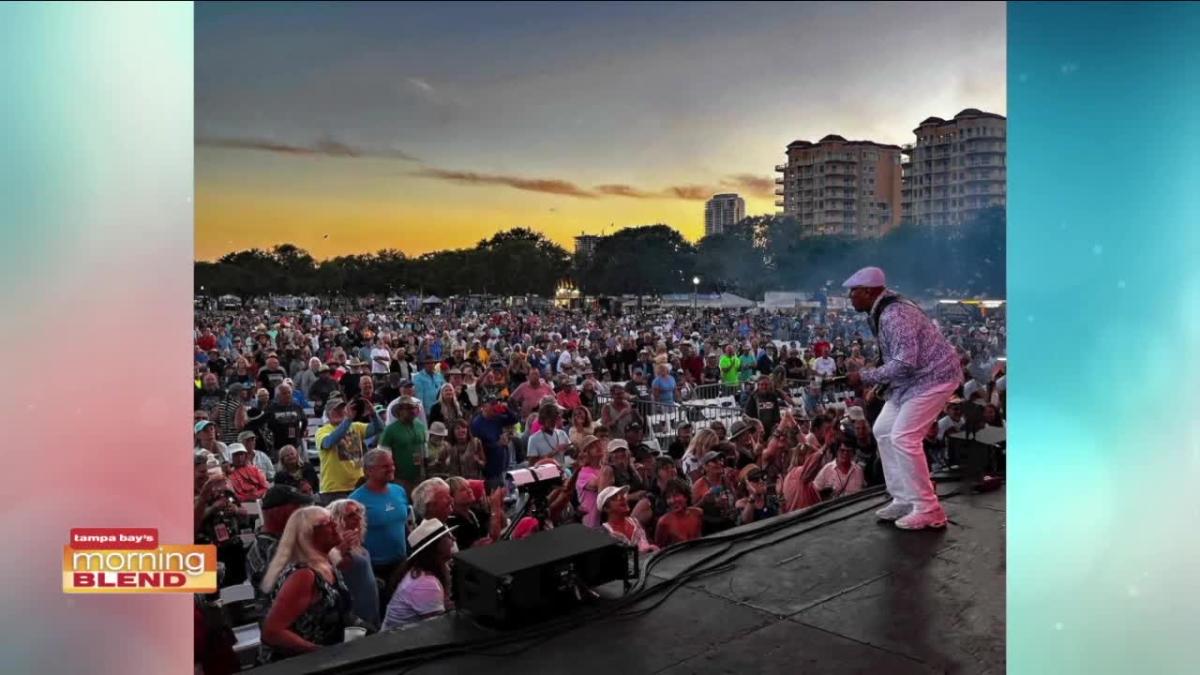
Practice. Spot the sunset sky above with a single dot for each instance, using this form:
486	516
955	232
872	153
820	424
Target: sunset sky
351	128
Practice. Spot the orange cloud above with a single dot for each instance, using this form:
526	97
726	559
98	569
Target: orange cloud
624	191
758	186
692	192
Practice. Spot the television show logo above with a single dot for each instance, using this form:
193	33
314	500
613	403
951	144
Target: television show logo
131	560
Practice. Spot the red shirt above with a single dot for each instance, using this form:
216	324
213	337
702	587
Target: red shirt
694	365
207	342
569	399
248	483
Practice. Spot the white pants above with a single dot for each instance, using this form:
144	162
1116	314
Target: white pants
900	432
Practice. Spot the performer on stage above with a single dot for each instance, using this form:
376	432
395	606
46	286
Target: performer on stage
916	373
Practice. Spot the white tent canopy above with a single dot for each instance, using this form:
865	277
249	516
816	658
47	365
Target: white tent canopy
786	300
432	300
710	301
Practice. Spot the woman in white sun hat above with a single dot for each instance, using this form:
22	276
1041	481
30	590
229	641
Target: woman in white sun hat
423	582
615	509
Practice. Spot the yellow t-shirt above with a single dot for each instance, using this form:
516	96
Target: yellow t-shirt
341	465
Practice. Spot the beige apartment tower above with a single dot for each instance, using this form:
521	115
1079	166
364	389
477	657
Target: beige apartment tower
723	211
955	169
840	187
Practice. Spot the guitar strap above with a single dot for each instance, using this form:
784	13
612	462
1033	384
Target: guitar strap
876	406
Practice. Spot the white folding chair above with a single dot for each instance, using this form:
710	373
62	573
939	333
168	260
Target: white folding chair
254	511
248	640
239	593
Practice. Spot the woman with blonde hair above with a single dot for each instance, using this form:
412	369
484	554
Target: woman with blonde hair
308	601
693	458
447	410
518	366
351	519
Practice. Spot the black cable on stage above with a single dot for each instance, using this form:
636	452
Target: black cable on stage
553	627
622	608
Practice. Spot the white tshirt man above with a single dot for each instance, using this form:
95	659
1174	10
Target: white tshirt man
564	361
970	388
949	425
381	360
825	366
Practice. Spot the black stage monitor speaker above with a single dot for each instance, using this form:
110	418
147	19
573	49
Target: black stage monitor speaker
977	454
528	580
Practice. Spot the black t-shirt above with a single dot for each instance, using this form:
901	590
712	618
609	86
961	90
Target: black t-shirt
321	389
638	391
307	474
612	361
350	386
387	394
628	358
795	368
206	400
286	423
766	409
217	366
676	449
469	529
269	379
629	478
658	500
743	460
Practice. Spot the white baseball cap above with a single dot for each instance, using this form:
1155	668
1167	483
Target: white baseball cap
867	277
607	493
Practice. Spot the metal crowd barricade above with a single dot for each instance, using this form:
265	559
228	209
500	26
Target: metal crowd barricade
663	420
706	391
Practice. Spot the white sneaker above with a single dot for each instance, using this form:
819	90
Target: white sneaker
923	520
893	511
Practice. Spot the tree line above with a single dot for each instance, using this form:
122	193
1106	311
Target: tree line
761	253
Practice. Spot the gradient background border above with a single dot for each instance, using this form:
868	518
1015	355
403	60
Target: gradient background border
96	211
1104	283
95	206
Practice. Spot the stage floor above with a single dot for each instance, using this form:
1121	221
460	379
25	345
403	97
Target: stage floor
853	596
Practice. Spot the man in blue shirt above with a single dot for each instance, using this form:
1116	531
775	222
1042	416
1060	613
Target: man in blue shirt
488	426
386	505
428	383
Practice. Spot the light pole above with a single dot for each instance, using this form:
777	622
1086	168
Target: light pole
695	293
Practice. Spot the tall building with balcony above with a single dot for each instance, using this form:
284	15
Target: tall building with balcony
955	169
840	187
723	211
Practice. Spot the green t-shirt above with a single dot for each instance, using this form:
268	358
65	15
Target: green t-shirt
407	443
730	369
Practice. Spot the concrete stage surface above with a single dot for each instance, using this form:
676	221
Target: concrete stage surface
839	593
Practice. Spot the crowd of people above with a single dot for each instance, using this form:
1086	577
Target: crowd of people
343	456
